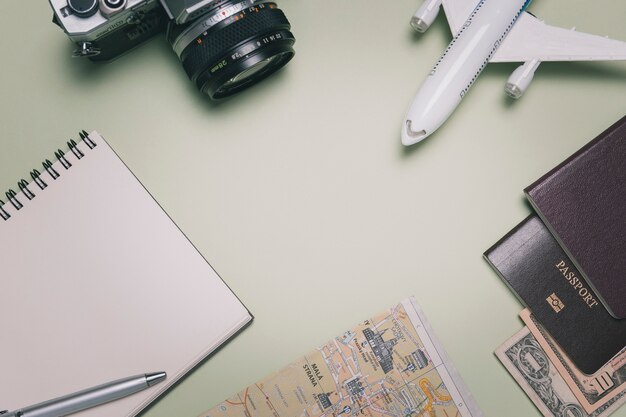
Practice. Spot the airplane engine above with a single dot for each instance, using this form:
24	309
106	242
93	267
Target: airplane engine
520	79
425	15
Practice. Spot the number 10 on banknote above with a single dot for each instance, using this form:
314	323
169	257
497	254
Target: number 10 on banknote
389	365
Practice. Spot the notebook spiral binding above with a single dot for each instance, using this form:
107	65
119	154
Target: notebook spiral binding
27	188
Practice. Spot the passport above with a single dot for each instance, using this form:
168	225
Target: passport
535	267
583	203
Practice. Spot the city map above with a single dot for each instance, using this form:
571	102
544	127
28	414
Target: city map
389	365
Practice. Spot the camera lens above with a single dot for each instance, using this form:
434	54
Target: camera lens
233	46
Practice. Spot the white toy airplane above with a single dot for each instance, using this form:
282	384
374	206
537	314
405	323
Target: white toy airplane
491	31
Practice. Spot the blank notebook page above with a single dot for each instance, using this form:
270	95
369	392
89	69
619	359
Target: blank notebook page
98	284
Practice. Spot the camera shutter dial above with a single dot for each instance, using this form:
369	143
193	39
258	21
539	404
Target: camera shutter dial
110	7
83	8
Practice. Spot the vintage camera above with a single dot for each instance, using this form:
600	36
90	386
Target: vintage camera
224	45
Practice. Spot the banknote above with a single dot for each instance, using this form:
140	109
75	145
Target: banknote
531	367
390	365
592	391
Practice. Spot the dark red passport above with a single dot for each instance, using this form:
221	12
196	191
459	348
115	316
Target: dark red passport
583	203
536	269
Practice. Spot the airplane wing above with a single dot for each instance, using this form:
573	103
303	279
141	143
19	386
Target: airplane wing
530	38
457	12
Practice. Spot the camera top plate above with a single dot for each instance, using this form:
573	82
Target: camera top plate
93	27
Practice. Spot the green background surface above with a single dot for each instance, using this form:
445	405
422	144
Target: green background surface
299	192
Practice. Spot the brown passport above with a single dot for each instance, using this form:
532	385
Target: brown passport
583	203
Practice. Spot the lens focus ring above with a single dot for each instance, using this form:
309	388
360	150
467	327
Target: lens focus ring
203	53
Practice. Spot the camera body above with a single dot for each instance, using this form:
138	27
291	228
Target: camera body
224	45
102	36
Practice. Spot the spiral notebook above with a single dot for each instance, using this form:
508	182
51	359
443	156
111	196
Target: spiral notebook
98	283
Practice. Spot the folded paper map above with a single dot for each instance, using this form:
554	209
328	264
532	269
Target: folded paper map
389	365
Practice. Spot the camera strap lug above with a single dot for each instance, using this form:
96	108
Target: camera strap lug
85	49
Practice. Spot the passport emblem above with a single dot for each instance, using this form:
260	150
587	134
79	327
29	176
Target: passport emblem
555	302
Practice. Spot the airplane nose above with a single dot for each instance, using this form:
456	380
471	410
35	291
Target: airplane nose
419	24
411	136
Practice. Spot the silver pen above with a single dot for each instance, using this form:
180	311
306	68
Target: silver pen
89	397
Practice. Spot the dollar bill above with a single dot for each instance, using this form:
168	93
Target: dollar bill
531	367
592	391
